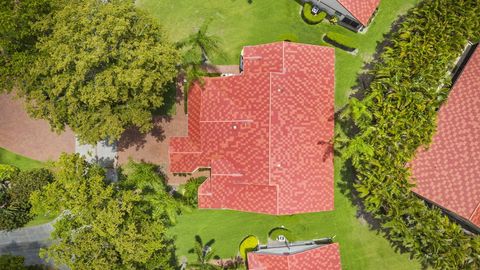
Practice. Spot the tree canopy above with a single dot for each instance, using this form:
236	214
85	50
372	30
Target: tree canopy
104	225
99	67
15	189
18	37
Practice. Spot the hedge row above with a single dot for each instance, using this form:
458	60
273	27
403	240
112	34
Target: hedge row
309	17
396	116
339	40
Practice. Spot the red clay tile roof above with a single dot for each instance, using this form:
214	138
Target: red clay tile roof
264	133
322	258
448	172
362	10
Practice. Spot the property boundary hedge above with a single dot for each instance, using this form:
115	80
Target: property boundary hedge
338	40
396	116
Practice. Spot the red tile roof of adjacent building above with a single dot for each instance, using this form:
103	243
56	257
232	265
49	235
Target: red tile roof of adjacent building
321	258
266	133
448	172
362	10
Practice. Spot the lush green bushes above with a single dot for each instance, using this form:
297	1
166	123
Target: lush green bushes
248	244
190	190
11	262
339	40
396	116
105	225
15	189
309	17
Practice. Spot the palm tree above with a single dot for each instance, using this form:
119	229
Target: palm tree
201	46
204	253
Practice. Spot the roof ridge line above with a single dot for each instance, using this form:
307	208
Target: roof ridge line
474	211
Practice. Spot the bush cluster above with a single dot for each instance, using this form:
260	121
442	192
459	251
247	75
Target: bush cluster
15	189
397	116
311	18
248	244
190	190
339	40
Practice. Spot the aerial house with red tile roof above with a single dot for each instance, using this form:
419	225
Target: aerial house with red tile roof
266	134
353	14
309	255
447	174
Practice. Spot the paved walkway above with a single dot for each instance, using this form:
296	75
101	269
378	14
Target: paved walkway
29	137
34	139
26	242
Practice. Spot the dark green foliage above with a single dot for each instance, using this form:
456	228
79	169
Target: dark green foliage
26	182
11	262
99	67
309	17
339	40
190	193
18	37
15	191
145	176
106	225
396	116
197	49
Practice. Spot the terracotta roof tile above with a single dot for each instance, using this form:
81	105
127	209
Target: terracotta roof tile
264	133
362	10
447	173
322	258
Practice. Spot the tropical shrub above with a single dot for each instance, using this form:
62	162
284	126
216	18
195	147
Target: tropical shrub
7	172
248	244
311	18
396	116
339	40
14	196
105	225
26	182
12	262
190	192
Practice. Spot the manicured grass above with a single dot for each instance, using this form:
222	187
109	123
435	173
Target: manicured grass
360	247
239	23
23	163
40	219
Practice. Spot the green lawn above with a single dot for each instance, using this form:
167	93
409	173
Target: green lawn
23	163
360	247
239	23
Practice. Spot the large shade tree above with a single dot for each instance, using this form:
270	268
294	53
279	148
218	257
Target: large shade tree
100	67
18	37
105	225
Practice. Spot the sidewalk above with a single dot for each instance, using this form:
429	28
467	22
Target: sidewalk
26	242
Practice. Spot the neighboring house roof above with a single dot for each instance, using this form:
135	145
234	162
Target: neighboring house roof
362	10
448	172
324	257
266	133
